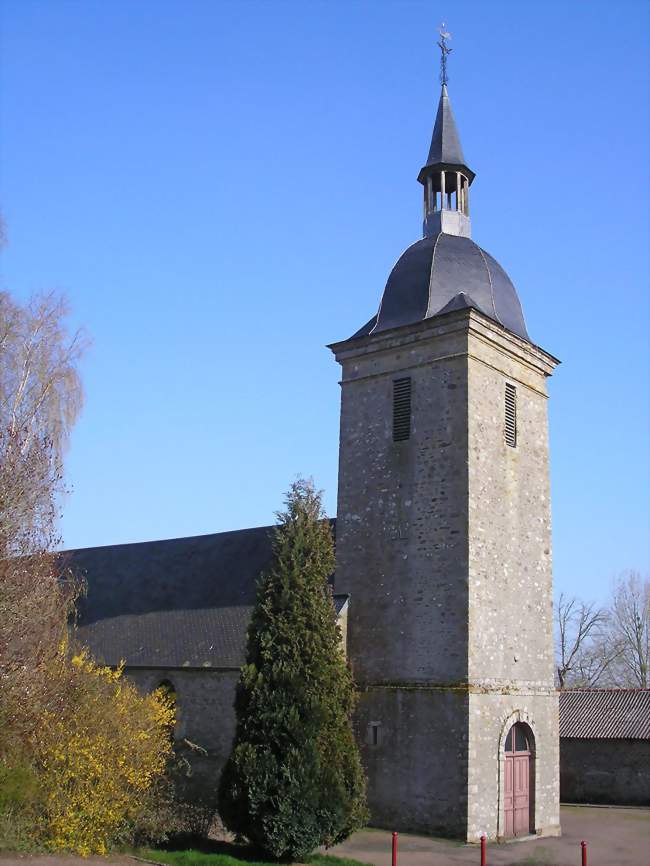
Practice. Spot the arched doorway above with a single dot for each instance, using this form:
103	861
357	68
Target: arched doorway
519	780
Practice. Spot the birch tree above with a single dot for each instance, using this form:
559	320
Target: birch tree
629	629
40	387
40	398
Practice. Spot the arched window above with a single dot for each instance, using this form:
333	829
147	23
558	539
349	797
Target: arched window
517	739
169	692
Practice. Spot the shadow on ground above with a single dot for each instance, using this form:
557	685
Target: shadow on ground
189	841
615	837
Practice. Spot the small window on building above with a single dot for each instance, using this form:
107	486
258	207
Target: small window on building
510	430
401	409
373	733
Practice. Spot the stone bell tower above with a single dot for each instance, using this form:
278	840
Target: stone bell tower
444	534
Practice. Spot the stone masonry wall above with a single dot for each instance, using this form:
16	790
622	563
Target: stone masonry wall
205	717
417	778
605	771
491	715
510	579
401	533
402	556
510	652
443	543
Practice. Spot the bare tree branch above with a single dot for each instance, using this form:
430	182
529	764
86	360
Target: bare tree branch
583	651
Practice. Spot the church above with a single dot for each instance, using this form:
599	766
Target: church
443	582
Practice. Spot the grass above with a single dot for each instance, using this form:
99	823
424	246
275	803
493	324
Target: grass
224	854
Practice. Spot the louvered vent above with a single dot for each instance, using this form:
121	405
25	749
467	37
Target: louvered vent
401	409
510	430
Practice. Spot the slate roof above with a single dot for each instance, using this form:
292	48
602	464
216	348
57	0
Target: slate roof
442	273
445	149
182	602
210	638
605	714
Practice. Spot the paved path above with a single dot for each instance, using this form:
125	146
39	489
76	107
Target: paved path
64	860
616	837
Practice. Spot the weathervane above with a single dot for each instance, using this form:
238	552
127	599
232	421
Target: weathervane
444	51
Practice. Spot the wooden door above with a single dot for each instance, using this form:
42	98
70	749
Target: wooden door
508	799
516	789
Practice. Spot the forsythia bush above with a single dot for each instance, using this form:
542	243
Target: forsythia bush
102	759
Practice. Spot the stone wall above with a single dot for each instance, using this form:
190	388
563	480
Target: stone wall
491	715
443	543
616	772
401	533
401	547
510	635
417	761
510	576
205	718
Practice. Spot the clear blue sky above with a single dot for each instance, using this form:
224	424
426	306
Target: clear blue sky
221	188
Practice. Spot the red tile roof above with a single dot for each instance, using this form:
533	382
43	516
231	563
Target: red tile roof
601	714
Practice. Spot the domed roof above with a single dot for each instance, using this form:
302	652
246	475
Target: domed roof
442	273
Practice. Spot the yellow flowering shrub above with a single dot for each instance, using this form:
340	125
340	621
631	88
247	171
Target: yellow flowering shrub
102	757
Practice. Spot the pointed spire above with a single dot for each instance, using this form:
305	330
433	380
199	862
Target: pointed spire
446	150
445	141
446	178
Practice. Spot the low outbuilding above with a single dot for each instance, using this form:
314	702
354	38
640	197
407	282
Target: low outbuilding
605	746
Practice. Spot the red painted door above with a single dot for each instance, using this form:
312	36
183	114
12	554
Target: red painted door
516	794
508	798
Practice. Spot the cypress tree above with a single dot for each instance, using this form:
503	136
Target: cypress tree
294	780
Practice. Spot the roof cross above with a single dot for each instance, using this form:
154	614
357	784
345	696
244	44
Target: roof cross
444	51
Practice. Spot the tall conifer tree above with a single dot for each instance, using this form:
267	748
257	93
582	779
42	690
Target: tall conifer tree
294	780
